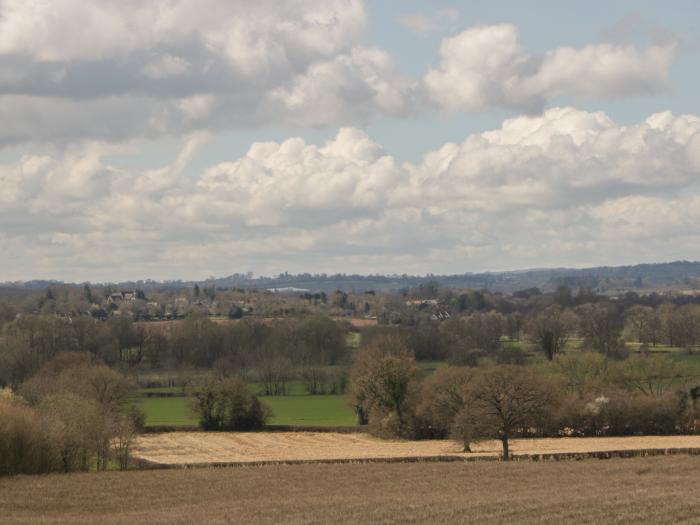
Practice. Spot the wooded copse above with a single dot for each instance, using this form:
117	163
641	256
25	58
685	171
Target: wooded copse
275	351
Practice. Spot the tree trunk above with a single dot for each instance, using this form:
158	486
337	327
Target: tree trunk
362	418
504	440
467	448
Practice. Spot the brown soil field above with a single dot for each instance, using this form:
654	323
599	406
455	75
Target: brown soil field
659	490
358	322
183	448
164	327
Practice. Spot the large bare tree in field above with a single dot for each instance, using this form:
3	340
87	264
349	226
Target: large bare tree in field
509	400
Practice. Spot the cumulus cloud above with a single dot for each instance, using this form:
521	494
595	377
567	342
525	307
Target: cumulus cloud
350	87
567	187
139	69
487	67
254	36
120	71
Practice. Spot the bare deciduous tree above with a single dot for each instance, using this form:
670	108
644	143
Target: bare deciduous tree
601	325
550	329
381	379
447	403
509	400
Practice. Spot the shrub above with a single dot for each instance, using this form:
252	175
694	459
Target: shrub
642	414
228	404
76	430
446	405
82	376
76	410
24	448
623	413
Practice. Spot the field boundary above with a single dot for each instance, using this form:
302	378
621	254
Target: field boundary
146	464
164	429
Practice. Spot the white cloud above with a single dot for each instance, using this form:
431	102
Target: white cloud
115	71
120	71
348	88
252	35
565	188
486	67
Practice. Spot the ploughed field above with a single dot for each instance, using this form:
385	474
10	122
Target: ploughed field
198	448
640	490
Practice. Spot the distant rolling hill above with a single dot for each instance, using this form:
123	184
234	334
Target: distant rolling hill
640	277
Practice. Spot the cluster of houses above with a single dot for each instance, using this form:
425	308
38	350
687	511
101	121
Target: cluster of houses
121	297
439	313
133	303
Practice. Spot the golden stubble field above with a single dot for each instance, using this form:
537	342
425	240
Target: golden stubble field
182	448
659	490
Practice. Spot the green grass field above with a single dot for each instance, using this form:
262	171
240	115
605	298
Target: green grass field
328	410
166	411
307	410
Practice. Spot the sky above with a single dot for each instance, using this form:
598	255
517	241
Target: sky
182	139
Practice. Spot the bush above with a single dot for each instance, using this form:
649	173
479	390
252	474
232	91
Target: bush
76	413
77	431
623	413
446	403
24	448
82	376
228	404
641	414
387	425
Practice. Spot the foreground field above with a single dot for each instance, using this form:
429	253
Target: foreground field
640	490
182	448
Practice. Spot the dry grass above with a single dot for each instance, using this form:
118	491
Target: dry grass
640	490
181	448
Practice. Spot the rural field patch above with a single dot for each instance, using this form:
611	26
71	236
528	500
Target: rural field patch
297	410
183	448
641	490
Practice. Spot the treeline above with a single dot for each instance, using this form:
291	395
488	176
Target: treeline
604	326
577	394
309	347
72	415
103	301
168	303
276	352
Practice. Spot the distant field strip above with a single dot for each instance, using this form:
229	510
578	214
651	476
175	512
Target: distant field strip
199	448
306	410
